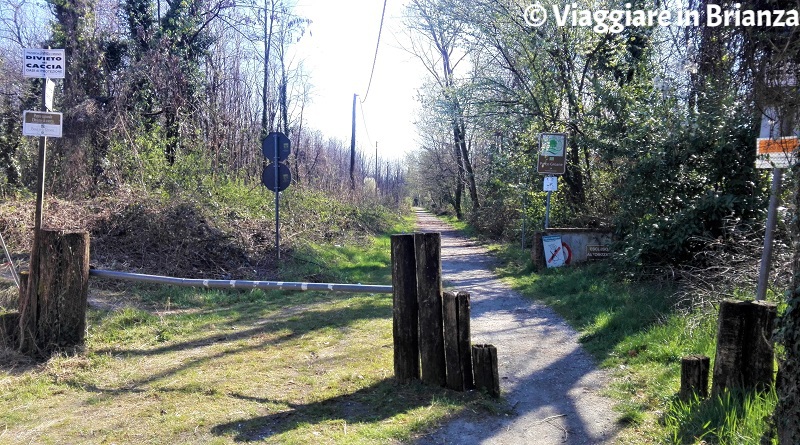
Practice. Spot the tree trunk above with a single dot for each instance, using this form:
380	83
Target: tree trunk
53	312
787	413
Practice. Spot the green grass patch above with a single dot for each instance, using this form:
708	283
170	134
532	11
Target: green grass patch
177	365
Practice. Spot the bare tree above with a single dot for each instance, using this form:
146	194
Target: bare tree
435	42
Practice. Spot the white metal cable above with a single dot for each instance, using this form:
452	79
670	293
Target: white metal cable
240	284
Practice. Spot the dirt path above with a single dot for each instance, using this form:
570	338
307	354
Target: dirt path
550	384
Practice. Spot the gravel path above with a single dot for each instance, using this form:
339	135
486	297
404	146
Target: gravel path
550	384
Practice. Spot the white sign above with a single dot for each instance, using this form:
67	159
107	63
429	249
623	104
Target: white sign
44	63
554	252
777	145
37	123
551	183
49	93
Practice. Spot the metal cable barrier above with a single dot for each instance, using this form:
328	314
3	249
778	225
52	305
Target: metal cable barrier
241	284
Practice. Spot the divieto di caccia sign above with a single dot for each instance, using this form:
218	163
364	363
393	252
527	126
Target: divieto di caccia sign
44	63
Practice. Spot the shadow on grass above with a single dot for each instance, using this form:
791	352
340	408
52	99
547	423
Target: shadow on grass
378	402
284	327
605	311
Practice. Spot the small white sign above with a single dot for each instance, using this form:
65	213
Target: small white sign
49	94
44	63
551	183
37	123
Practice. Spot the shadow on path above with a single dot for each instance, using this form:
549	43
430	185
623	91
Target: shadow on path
549	382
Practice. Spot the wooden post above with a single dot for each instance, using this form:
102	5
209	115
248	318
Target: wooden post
405	309
537	252
484	358
744	357
9	322
53	312
452	355
694	377
429	297
464	339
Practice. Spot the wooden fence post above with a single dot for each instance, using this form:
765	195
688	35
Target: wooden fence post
429	296
458	352
484	365
694	377
53	311
537	252
744	357
405	309
464	339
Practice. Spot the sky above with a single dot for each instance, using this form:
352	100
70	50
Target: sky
339	53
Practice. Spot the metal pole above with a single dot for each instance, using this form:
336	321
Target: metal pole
547	211
37	219
766	254
277	203
524	217
240	284
353	148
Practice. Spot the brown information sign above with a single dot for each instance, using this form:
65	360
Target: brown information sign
552	154
37	123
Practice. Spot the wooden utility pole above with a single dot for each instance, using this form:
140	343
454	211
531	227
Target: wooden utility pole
353	148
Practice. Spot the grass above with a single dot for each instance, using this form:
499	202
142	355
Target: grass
177	365
634	330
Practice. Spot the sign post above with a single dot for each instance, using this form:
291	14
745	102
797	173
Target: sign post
276	147
42	64
552	161
777	151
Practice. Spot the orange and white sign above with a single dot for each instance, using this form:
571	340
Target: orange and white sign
776	153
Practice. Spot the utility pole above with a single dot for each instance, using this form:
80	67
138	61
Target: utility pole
353	148
376	166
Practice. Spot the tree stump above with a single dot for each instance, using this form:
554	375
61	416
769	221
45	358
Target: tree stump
427	247
458	354
484	366
405	309
53	311
744	357
694	377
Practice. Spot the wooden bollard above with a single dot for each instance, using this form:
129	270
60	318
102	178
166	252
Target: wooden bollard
745	354
405	312
458	353
694	377
484	364
9	322
537	252
427	247
53	311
